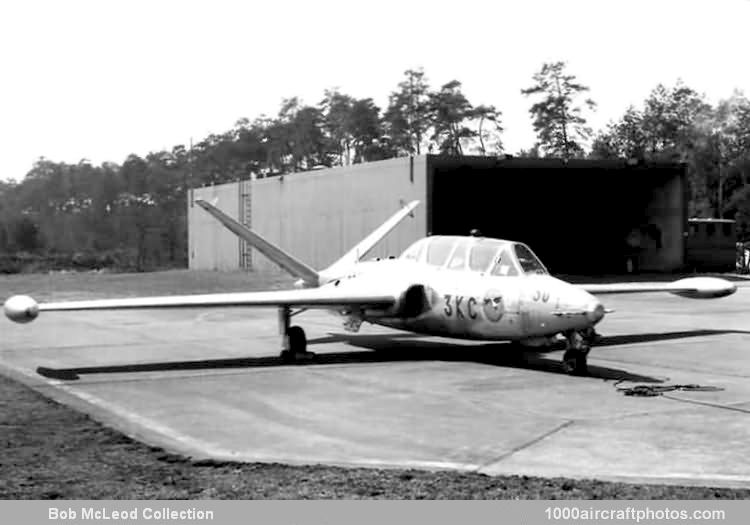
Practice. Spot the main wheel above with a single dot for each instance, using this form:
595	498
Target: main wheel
296	349
297	340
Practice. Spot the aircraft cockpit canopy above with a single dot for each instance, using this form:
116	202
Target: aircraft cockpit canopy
478	254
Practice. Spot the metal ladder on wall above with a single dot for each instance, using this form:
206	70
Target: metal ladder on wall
245	211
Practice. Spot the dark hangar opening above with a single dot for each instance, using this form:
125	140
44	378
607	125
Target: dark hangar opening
583	217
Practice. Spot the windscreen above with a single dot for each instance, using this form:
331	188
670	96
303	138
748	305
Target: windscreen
504	264
529	262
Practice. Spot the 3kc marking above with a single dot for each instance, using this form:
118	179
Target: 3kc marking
455	304
462	307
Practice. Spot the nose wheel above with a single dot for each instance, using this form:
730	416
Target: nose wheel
294	339
575	357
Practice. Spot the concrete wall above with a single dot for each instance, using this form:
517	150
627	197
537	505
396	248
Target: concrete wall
667	210
316	216
210	245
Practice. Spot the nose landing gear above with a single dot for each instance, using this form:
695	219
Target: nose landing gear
578	346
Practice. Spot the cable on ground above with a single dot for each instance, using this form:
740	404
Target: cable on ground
658	390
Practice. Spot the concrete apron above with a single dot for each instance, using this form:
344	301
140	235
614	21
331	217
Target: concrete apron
208	384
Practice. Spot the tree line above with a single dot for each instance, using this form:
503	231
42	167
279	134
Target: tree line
133	215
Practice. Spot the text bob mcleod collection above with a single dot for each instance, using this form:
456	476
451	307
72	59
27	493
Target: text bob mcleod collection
132	514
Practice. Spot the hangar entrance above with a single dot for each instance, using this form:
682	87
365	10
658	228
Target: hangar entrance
586	217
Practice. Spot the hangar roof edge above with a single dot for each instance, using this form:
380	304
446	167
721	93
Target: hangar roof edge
478	161
511	161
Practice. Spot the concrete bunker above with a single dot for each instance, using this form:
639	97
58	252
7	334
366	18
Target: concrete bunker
580	217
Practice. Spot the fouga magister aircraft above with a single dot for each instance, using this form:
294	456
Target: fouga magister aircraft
462	287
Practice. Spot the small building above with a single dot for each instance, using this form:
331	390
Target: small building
711	245
579	216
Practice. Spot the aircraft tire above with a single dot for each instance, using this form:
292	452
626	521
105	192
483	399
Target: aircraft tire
296	350
297	340
575	363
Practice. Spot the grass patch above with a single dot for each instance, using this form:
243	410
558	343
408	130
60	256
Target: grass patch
97	285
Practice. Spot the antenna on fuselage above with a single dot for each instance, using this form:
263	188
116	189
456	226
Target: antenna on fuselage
475	233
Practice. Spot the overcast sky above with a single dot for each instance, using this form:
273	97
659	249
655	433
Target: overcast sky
102	79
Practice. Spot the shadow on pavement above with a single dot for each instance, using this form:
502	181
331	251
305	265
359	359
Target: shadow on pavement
391	348
628	339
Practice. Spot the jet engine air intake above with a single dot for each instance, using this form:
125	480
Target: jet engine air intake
414	301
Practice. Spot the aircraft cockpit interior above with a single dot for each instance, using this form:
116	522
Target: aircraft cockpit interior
478	254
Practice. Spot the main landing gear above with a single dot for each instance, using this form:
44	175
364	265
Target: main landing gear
294	339
578	347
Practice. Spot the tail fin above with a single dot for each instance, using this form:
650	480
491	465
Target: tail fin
276	254
368	243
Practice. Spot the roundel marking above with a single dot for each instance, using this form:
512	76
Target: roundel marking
493	305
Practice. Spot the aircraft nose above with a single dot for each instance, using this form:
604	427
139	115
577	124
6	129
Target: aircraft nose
595	311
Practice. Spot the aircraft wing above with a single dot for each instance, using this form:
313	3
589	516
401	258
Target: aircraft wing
364	246
692	287
22	308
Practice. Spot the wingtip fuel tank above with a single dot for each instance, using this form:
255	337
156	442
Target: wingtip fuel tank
21	309
703	287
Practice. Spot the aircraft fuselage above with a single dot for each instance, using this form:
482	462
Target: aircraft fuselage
471	305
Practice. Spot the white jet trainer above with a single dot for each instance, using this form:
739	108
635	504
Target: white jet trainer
462	287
